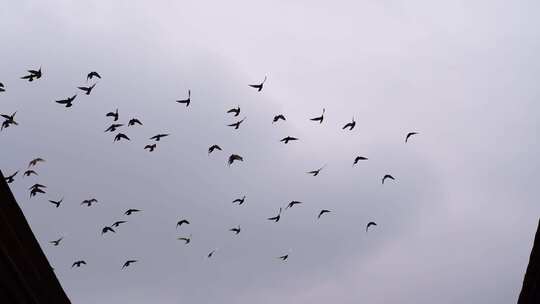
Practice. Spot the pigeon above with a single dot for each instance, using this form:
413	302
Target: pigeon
78	264
284	257
56	242
92	75
159	136
316	172
370	224
359	158
32	74
387	176
319	118
287	139
293	203
130	211
68	102
211	253
150	147
107	229
57	203
29	172
10	179
323	212
240	201
121	136
134	121
234	157
278	117
35	191
89	202
129	262
409	135
118	223
214	147
258	87
276	218
87	90
236	125
186	101
186	240
182	222
113	127
2	87
114	115
236	230
350	125
35	161
235	111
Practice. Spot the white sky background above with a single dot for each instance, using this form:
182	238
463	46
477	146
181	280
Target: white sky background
456	227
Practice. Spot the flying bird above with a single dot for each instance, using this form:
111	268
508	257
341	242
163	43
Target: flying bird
240	201
182	222
10	179
319	118
236	230
322	212
121	136
211	253
159	136
118	223
87	90
150	147
68	102
32	74
35	191
350	125
370	224
259	87
89	202
287	139
284	257
234	157
276	218
130	211
129	262
92	75
35	186
359	158
56	242
293	203
8	120
29	172
2	88
409	135
316	172
35	161
278	118
236	125
134	121
57	203
186	101
214	147
186	240
78	263
107	229
113	127
235	111
387	176
114	115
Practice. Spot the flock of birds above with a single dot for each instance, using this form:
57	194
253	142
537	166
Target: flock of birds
39	189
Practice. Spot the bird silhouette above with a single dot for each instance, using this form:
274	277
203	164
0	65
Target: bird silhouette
87	90
278	118
186	101
114	115
214	147
35	191
359	158
350	125
107	229
78	263
235	157
287	139
92	75
150	147
29	172
236	125
8	120
236	230
128	262
182	222
159	136
68	102
113	127
319	118
89	202
276	218
387	176
121	136
34	186
292	204
32	74
118	223
322	212
316	172
235	111
259	87
57	203
56	242
2	87
134	121
370	224
10	179
211	253
240	201
284	257
186	240
130	211
35	161
409	135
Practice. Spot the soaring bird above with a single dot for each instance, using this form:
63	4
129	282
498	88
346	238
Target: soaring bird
2	88
56	242
409	135
34	186
211	253
120	136
186	101
316	172
87	90
159	136
150	147
9	120
113	127
89	202
240	201
187	240
236	230
57	203
284	257
114	115
213	147
350	125
130	211
32	74
278	117
68	102
182	222
235	111
92	75
236	125
78	263
118	223
287	139
35	191
359	158
35	161
276	218
29	172
234	157
129	262
107	229
292	203
322	212
386	177
259	87
10	179
370	224
134	121
319	118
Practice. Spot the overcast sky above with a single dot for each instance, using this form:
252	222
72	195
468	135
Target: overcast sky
455	227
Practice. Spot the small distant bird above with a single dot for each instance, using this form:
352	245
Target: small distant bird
89	202
56	242
236	230
68	102
2	88
114	115
35	191
35	161
287	139
33	74
211	253
409	135
129	262
118	223
57	203
214	147
159	136
29	172
186	101
234	157
10	179
235	111
120	136
182	222
278	117
322	212
259	87
187	240
87	90
134	121
240	201
284	257
34	186
387	176
350	125
319	118
9	120
236	125
92	75
113	127
370	224
107	229
150	147
359	158
292	203
130	211
78	263
316	172
276	218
